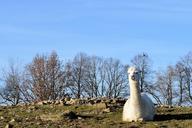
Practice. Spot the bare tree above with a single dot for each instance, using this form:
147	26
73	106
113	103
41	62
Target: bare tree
164	85
94	76
116	78
37	72
180	76
102	75
170	84
26	88
187	65
143	63
46	77
94	79
56	76
76	74
12	81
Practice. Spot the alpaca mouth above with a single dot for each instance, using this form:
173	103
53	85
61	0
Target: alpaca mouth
133	77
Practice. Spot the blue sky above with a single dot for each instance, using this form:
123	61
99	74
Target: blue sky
108	28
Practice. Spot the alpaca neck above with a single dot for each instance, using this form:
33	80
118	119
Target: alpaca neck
135	96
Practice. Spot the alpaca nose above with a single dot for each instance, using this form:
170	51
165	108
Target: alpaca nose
133	77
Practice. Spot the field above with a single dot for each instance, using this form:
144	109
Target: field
88	116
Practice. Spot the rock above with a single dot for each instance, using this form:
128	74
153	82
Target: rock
31	103
80	118
37	118
120	102
67	99
101	105
83	101
45	102
50	117
98	101
67	103
113	101
32	108
166	106
73	102
40	103
91	102
107	110
2	118
87	98
39	123
20	105
57	102
61	103
70	115
27	119
108	101
12	121
9	126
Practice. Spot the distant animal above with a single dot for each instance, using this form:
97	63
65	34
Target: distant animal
138	107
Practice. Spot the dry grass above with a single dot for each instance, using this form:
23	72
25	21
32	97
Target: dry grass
89	117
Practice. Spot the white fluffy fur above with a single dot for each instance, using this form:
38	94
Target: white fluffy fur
139	106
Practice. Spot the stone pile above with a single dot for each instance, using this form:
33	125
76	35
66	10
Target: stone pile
88	101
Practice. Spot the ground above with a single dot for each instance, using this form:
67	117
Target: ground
88	116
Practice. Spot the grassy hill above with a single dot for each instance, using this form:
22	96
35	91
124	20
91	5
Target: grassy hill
98	115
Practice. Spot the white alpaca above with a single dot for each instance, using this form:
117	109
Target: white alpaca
138	107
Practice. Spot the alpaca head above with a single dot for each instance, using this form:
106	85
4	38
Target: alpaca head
133	74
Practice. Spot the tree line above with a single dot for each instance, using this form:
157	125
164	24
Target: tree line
47	77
